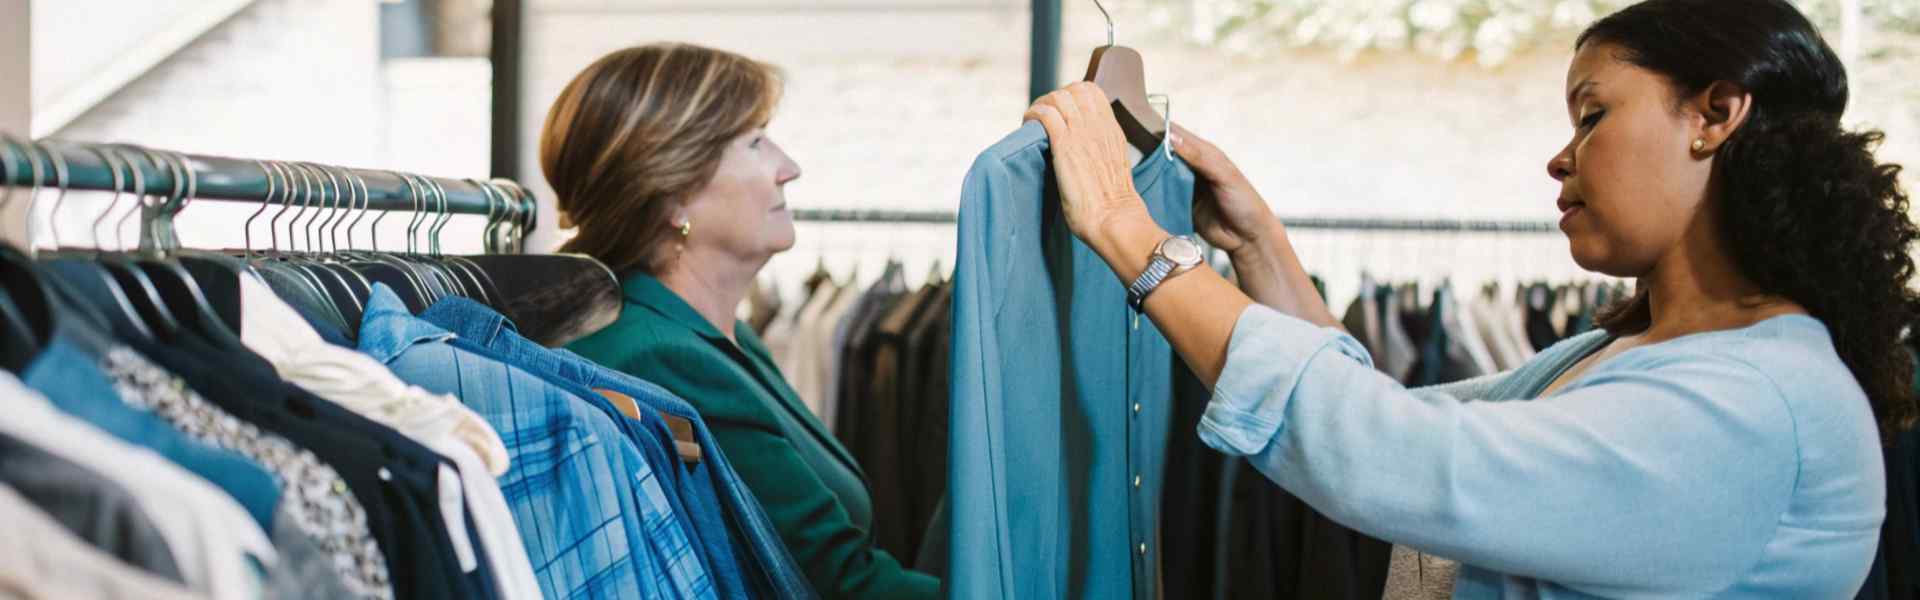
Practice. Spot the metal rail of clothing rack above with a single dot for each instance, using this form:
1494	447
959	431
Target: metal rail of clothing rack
86	166
1315	223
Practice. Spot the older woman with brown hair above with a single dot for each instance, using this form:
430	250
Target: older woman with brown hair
660	158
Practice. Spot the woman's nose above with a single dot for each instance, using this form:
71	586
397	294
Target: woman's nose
1560	167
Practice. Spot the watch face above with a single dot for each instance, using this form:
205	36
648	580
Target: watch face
1181	251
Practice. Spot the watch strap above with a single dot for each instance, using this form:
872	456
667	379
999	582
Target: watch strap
1158	268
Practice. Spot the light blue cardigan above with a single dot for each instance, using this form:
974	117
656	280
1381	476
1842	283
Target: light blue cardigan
1740	464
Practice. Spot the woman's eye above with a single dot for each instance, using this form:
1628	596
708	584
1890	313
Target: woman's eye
1589	121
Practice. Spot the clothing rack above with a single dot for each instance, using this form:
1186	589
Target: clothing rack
86	167
836	215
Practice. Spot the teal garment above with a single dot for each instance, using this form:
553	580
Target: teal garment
1733	464
1061	394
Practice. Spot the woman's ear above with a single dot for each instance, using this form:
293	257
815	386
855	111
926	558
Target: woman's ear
1721	109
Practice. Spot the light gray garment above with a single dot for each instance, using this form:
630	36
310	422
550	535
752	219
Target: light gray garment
90	506
1363	319
43	561
305	570
1397	351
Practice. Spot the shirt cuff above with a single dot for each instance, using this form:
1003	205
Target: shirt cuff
1267	357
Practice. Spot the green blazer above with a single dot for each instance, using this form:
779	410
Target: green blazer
808	483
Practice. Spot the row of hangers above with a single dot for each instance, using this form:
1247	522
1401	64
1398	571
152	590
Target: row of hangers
160	289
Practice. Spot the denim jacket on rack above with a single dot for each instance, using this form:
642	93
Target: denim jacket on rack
737	534
590	509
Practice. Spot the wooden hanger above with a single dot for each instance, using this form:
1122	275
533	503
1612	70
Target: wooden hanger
684	443
1122	74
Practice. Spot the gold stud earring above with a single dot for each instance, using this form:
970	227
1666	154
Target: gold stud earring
1699	144
686	228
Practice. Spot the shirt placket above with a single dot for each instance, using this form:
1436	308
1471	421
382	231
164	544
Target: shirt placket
1139	513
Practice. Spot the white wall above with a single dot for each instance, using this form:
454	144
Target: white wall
281	80
16	95
16	67
888	103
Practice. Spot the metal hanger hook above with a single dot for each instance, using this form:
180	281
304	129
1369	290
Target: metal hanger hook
1109	17
60	181
440	221
119	186
366	201
1166	137
139	195
246	229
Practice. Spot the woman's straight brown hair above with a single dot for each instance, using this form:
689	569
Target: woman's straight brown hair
636	133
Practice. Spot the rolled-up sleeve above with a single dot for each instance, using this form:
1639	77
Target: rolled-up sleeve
1265	359
1654	472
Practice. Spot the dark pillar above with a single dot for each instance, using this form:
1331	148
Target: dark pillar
506	52
1044	55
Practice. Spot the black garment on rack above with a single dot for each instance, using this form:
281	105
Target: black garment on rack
923	414
1275	546
1541	299
1896	565
876	428
394	478
855	369
1190	501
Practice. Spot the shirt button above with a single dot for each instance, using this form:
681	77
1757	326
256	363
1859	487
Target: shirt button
1143	549
1136	481
1136	408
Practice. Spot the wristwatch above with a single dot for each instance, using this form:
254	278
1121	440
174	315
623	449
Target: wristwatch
1174	255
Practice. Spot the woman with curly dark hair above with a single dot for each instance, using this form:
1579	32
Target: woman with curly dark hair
1720	437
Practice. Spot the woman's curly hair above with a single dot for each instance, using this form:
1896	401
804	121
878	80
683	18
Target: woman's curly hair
1808	211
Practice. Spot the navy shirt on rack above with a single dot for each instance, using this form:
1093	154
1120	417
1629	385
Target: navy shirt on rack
394	478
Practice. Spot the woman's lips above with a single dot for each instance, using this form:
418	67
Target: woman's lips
1567	212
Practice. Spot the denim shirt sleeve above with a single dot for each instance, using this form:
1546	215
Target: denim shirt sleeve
1536	488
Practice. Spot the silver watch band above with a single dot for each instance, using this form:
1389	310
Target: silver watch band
1158	268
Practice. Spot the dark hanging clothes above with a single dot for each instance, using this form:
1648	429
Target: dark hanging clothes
1896	566
923	416
876	439
1540	330
394	478
1274	546
1190	503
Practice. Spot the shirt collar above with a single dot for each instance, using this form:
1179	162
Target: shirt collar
387	329
647	291
1146	174
468	319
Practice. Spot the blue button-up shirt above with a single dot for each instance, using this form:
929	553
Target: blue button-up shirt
1742	463
1061	393
595	519
710	491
